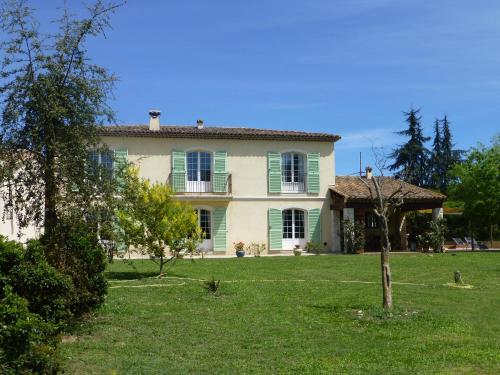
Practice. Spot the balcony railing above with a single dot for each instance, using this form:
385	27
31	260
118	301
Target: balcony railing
220	183
293	187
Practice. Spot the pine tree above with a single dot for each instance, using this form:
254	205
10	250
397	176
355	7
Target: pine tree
449	156
436	158
411	159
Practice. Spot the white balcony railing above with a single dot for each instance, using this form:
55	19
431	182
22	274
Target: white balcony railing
199	187
293	187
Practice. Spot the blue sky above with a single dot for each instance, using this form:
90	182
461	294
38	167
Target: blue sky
345	67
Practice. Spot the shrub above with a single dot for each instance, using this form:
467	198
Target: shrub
82	258
212	285
314	247
28	344
48	292
256	249
354	236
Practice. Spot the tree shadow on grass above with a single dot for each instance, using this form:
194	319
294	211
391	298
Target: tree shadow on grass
129	275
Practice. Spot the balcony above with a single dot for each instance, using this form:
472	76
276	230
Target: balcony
291	186
219	184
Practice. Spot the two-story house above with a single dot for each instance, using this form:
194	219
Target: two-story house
250	185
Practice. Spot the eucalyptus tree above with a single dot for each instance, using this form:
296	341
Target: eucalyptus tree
53	101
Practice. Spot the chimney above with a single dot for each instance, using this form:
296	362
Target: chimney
154	120
199	124
369	172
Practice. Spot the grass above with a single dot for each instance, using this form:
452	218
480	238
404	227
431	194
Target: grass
309	320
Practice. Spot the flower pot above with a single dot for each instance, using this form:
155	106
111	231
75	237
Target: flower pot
360	251
240	254
297	252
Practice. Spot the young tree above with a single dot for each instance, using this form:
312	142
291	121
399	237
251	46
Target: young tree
387	198
52	101
411	158
153	222
477	185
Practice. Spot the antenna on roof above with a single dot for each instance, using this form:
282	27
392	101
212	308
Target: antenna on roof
360	168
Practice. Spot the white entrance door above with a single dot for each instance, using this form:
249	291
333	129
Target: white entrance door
199	172
294	232
205	223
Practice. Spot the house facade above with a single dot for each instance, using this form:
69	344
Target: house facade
250	185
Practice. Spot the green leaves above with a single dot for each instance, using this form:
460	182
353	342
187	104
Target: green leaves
152	221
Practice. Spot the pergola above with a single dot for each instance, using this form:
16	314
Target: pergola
352	200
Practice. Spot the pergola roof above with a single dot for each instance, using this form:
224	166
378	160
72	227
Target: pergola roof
350	191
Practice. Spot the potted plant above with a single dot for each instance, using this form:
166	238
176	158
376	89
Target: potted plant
354	237
297	251
239	247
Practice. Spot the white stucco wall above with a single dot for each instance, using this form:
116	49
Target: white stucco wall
247	206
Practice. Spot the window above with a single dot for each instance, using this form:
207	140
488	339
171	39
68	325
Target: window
199	172
204	221
102	163
293	224
199	166
292	172
371	220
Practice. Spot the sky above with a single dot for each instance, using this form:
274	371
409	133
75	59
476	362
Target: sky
344	67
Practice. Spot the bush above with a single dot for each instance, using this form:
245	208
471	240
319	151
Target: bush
28	344
314	247
48	292
353	236
83	259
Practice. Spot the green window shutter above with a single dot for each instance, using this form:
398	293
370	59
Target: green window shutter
119	163
275	229
314	225
274	171
178	171
313	172
220	172
220	229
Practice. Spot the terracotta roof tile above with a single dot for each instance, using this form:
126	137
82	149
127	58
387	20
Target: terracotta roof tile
214	132
353	189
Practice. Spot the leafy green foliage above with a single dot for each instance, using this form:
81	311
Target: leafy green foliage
477	185
152	221
211	285
30	276
53	101
84	262
353	235
434	237
314	247
27	342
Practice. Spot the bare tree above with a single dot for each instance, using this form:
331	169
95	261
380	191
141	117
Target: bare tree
387	197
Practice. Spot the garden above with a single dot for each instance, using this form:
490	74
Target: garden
307	315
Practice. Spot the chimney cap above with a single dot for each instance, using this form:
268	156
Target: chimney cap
368	170
154	113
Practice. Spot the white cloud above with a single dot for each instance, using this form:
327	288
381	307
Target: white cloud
378	137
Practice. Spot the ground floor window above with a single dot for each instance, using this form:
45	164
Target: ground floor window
204	221
293	224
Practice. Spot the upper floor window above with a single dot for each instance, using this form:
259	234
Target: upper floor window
102	163
199	171
292	172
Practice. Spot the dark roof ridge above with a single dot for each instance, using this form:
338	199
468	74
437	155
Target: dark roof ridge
192	131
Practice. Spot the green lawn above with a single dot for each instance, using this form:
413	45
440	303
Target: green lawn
295	315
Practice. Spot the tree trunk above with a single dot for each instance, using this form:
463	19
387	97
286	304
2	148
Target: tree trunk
50	193
161	264
385	267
